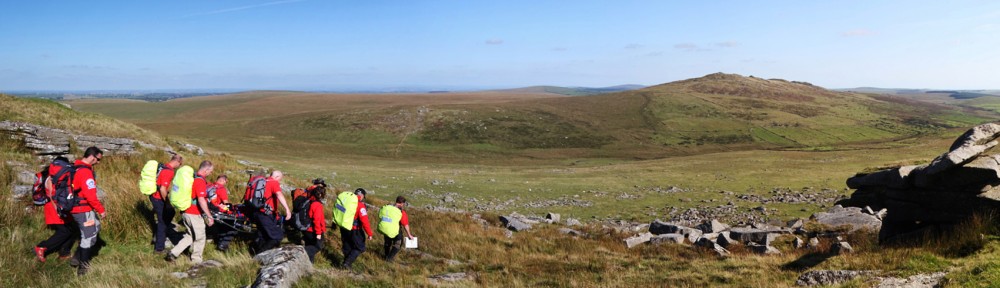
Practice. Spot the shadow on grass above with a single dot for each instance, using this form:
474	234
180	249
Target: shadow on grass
807	261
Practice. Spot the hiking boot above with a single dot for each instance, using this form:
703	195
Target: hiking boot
40	253
170	258
83	269
159	251
75	262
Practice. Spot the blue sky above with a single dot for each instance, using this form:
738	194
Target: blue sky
312	44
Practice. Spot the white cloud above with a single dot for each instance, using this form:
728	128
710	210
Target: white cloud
727	44
494	42
234	9
691	47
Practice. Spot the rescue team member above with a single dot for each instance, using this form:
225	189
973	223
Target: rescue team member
195	218
164	211
269	232
391	217
313	237
299	197
85	187
218	196
65	229
353	241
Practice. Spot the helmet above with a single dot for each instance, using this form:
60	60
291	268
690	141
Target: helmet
319	181
361	191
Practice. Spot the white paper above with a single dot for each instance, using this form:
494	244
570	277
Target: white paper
410	243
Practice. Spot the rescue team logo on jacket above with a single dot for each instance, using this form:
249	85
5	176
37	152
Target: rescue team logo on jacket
91	184
364	212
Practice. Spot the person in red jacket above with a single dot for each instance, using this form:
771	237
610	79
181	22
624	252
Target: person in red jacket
164	211
218	197
313	237
269	232
65	229
86	211
391	246
195	217
353	241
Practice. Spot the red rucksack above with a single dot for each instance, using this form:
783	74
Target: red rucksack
254	197
38	194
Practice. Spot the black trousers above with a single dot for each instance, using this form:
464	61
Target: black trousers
164	223
391	246
353	244
63	238
269	232
312	244
223	235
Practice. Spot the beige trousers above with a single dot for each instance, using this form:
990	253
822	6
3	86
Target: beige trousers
195	237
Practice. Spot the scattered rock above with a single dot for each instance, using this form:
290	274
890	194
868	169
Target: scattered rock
514	224
712	246
712	226
639	239
570	232
850	216
449	277
21	191
763	237
281	267
573	222
829	277
763	249
916	281
552	216
795	224
667	238
841	248
798	243
813	243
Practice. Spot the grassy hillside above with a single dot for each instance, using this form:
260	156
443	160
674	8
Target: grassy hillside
718	112
541	257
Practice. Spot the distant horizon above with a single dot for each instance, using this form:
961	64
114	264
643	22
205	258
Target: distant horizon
332	45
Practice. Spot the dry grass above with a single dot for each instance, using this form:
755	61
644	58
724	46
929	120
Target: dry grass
52	114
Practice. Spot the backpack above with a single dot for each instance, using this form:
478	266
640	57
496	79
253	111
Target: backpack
65	196
346	207
389	217
180	188
38	194
147	178
300	216
254	197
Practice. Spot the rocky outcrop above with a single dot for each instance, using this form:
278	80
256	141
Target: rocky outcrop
853	217
829	277
916	281
961	182
50	141
281	267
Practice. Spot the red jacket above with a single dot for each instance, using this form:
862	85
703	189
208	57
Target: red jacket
270	188
165	178
362	214
198	188
318	218
83	181
51	216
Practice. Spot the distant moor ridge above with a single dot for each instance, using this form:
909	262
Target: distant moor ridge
712	113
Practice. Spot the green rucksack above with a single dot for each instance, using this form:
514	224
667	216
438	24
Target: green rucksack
147	178
180	189
347	206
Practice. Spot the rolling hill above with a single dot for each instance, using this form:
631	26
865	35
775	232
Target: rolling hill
717	112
